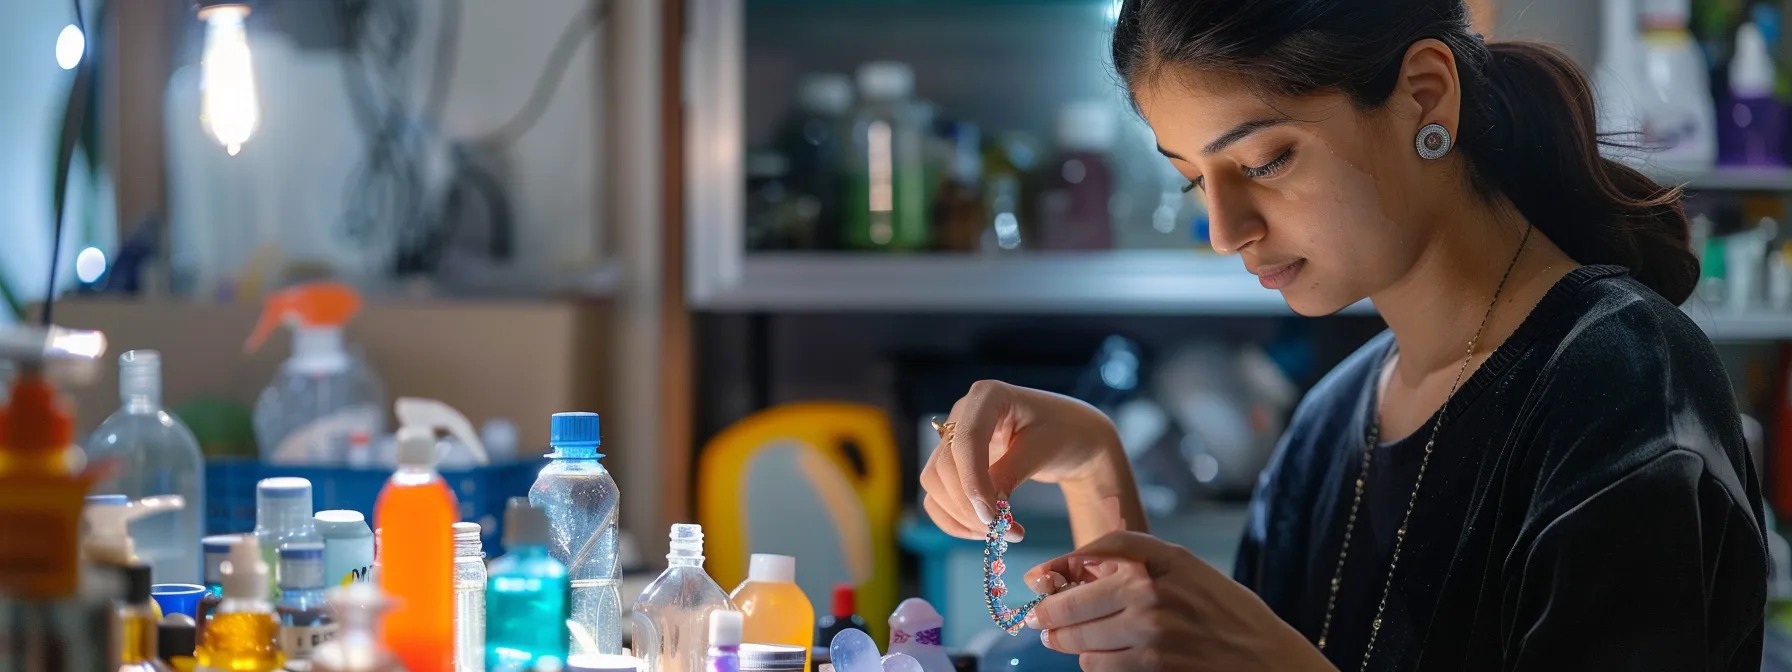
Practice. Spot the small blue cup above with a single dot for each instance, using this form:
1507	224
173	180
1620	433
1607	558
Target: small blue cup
178	598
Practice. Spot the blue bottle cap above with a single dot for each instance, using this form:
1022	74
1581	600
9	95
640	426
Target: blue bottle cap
575	429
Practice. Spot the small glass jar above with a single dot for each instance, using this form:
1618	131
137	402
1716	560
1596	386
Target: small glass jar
469	599
771	658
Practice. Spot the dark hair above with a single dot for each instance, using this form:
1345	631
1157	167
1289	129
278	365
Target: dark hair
1528	126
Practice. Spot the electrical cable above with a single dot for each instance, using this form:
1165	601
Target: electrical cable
385	192
442	72
65	154
548	82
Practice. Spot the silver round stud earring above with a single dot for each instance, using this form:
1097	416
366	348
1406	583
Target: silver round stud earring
1433	142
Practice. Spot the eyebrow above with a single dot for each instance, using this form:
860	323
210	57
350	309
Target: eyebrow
1231	137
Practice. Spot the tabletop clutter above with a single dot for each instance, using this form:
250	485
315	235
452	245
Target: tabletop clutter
106	566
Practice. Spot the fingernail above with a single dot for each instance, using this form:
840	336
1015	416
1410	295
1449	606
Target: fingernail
983	512
1033	621
1045	636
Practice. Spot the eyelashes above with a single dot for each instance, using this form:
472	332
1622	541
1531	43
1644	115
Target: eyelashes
1255	173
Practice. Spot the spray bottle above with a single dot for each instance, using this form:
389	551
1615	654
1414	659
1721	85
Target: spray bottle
416	513
323	394
108	519
463	449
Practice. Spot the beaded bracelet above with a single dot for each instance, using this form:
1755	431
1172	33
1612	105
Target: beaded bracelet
994	547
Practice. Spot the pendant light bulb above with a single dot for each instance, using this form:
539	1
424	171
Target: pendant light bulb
227	105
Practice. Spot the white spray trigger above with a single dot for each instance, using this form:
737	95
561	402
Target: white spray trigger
433	415
108	526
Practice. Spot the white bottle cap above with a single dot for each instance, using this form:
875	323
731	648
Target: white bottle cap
245	574
1087	126
829	93
416	447
915	615
1751	71
772	568
886	80
724	628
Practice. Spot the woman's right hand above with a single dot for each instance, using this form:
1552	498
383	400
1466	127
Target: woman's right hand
1001	435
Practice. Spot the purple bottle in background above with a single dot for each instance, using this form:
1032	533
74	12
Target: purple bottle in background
724	641
1751	122
1077	185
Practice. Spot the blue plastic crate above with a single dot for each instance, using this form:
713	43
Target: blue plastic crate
482	491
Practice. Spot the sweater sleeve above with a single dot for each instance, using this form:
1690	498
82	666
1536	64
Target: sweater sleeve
1636	576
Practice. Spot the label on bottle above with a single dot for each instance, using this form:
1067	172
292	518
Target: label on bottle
297	641
42	517
326	439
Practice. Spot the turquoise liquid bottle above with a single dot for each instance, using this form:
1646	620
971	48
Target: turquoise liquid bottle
527	597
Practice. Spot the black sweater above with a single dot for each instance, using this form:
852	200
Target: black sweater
1590	504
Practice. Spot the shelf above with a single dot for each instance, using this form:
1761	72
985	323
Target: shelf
1729	179
1730	325
1165	282
1128	282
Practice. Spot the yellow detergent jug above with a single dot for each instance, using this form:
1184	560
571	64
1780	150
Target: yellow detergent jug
819	481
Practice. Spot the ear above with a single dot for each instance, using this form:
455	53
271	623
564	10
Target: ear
1429	90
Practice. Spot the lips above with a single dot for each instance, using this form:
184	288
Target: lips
1280	275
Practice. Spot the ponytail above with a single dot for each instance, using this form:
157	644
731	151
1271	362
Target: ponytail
1530	132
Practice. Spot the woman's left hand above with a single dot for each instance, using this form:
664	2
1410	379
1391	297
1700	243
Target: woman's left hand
1144	604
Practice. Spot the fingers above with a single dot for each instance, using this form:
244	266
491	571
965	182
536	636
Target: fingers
1086	603
976	416
1113	633
947	522
1158	556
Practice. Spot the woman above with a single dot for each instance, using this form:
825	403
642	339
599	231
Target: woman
1539	466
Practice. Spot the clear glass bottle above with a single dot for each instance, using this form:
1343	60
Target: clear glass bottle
306	620
243	635
469	599
580	500
359	645
671	617
527	598
282	518
813	138
156	455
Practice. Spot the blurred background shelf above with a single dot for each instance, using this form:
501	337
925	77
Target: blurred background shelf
1731	179
1121	282
1136	282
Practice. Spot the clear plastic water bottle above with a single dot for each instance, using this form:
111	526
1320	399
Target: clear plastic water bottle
157	455
671	618
580	500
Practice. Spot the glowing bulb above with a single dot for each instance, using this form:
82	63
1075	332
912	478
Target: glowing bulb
70	44
90	264
227	103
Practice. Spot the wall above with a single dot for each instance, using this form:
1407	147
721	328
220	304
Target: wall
30	118
289	184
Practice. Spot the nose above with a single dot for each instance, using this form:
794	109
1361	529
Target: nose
1232	222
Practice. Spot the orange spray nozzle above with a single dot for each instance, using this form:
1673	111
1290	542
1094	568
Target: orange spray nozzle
35	420
313	304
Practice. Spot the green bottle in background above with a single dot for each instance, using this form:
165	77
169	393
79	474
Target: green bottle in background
887	181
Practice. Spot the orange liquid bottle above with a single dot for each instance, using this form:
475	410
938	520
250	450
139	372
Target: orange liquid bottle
773	609
415	514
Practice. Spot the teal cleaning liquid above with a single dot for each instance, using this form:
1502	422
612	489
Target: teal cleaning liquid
527	601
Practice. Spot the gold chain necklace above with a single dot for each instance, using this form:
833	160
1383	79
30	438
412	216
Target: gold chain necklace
1362	479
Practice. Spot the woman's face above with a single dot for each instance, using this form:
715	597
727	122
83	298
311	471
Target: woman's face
1322	201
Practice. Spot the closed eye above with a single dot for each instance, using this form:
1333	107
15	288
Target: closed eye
1254	173
1270	168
